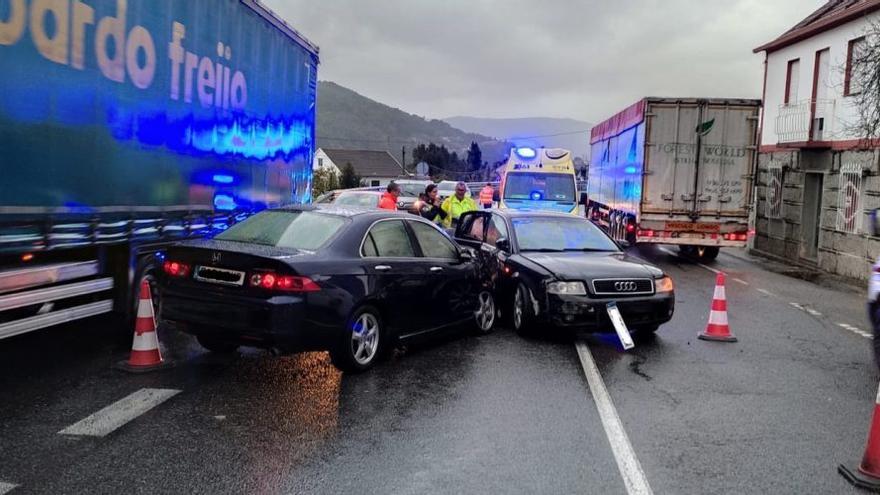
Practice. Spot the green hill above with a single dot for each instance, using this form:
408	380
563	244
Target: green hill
349	120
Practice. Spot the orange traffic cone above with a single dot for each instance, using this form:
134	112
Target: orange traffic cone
718	328
868	473
145	355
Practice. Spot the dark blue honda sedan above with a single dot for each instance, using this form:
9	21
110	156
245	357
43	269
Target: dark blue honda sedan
351	281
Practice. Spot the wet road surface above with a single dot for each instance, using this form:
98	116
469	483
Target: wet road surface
774	413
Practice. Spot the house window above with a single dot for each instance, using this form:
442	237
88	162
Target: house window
849	214
774	191
854	50
320	163
792	79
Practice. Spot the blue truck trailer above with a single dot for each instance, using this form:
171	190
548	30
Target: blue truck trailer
126	125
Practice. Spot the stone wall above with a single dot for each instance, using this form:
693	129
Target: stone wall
847	254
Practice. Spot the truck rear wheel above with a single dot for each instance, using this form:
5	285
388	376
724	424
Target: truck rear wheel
708	253
702	253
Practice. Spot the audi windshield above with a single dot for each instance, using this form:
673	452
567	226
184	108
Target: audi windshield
552	234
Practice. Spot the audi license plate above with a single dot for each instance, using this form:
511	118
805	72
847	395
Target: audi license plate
620	326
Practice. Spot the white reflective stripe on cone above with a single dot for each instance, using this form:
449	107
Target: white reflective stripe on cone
877	402
146	341
718	317
145	309
720	293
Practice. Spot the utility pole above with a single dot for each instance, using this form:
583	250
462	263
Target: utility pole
403	158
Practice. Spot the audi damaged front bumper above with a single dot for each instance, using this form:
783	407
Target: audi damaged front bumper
591	314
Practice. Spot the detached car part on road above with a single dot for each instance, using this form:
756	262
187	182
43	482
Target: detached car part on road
351	281
563	270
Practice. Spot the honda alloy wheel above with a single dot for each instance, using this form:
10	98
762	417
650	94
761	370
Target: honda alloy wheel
361	343
484	316
365	339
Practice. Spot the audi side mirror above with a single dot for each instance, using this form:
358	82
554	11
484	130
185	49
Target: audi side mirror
584	198
503	244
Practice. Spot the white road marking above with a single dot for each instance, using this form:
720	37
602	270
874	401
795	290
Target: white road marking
740	281
107	420
847	326
698	264
630	469
6	487
766	292
806	309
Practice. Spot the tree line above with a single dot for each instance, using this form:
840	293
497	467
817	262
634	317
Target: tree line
446	165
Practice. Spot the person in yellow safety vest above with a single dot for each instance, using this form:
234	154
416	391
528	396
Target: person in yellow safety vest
457	204
487	195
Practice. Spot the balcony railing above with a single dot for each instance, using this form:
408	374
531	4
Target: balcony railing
793	121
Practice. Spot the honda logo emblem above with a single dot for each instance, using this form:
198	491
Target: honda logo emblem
625	286
215	257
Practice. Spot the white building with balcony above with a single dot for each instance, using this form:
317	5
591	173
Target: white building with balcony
817	177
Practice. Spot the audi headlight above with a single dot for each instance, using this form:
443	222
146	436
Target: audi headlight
664	284
567	288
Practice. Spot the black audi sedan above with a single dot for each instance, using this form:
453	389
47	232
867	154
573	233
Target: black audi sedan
562	270
351	281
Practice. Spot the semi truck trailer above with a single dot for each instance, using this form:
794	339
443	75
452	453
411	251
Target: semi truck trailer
127	125
676	171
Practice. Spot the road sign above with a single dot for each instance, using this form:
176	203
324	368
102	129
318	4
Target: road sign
422	169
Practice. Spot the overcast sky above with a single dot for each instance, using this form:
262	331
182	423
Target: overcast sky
583	59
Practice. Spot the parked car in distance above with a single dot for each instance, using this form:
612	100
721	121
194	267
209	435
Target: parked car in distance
327	198
409	192
366	199
351	281
446	188
563	270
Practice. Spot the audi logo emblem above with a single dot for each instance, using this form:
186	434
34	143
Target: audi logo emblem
625	286
215	257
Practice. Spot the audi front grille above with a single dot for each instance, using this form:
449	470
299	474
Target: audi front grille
623	287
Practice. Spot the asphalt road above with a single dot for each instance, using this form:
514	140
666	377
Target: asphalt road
773	413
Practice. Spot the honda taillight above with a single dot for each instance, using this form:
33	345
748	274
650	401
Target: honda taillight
645	233
285	283
176	268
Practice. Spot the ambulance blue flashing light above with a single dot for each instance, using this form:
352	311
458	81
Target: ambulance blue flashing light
224	202
223	179
526	152
536	196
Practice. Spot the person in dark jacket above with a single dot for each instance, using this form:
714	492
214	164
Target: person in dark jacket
428	205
